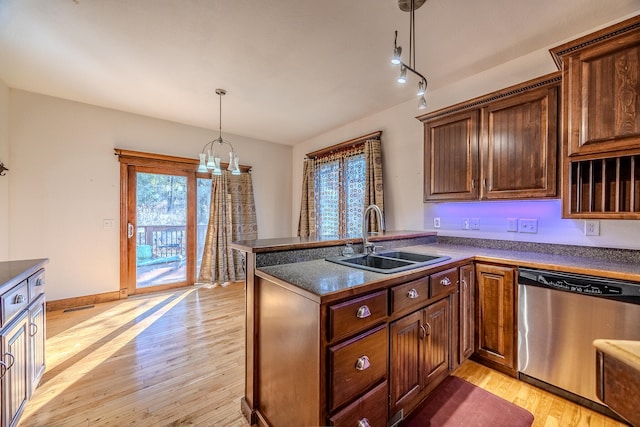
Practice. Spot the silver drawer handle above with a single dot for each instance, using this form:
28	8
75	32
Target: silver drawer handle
364	423
19	299
362	363
33	329
39	282
363	312
445	281
413	294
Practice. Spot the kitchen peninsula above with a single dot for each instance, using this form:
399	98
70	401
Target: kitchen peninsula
330	344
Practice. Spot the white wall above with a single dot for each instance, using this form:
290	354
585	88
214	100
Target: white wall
402	142
65	180
4	180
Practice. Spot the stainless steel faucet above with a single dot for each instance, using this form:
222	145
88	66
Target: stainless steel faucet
368	247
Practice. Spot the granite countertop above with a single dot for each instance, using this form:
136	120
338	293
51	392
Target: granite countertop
323	278
627	352
13	272
288	243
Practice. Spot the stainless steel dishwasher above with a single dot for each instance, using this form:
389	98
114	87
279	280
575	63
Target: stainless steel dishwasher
559	316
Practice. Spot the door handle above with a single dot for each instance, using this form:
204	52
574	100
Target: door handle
130	230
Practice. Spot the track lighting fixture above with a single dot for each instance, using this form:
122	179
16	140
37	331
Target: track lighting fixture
410	6
209	156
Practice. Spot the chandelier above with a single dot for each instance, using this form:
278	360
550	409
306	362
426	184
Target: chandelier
410	6
210	154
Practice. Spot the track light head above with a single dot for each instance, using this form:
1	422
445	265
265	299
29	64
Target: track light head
403	75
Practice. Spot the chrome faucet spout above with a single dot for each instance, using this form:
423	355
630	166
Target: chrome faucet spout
368	247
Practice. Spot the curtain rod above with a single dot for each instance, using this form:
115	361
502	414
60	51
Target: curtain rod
345	144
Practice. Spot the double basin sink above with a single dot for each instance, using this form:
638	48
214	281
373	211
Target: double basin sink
389	261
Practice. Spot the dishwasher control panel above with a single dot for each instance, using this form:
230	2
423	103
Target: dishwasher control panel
581	284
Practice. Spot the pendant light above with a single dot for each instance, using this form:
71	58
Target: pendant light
410	6
210	154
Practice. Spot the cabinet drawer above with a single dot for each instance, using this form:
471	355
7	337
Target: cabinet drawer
356	365
370	409
357	314
444	282
36	285
14	301
408	296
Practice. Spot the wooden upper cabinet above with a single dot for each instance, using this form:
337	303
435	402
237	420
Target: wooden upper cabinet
601	83
600	123
520	146
451	157
503	145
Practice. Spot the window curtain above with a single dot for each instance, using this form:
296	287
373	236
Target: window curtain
307	221
339	182
232	216
374	191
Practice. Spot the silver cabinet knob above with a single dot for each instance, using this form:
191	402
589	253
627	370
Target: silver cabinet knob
362	363
363	423
413	294
363	312
445	281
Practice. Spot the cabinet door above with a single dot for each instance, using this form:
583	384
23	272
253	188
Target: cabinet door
37	339
437	336
451	157
496	322
519	149
466	306
407	348
15	381
602	84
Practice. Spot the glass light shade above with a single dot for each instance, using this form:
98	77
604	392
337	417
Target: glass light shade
216	166
403	76
395	60
422	104
202	167
210	163
421	89
236	165
232	155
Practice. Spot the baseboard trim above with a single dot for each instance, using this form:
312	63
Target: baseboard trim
63	304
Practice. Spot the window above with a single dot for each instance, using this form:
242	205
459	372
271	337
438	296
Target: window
340	181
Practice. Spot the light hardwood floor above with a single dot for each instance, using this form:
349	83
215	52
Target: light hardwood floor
177	359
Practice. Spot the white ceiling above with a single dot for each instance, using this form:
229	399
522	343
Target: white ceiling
292	68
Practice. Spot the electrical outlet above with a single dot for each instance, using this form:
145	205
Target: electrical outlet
436	222
107	223
592	227
528	225
465	223
512	224
475	223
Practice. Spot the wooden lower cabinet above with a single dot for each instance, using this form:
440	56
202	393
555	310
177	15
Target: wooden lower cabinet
37	340
22	338
496	332
14	370
466	316
367	359
420	345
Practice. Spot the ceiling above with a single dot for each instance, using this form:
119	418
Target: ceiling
292	69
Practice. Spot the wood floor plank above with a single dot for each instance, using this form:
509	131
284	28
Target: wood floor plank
176	358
